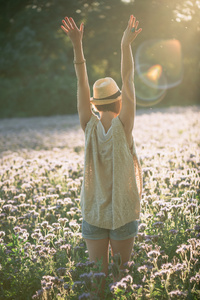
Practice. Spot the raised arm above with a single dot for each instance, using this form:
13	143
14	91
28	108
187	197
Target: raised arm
83	90
127	113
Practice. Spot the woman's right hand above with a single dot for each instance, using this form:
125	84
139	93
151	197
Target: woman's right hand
70	28
131	31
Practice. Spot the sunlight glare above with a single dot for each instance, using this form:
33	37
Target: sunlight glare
154	72
158	68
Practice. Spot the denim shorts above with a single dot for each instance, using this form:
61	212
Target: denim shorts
122	233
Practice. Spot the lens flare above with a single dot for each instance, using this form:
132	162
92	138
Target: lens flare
158	68
154	73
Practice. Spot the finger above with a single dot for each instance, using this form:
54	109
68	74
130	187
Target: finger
138	31
73	23
64	29
130	21
133	22
65	24
68	23
136	25
81	27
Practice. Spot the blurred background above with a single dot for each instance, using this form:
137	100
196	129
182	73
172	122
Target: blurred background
37	76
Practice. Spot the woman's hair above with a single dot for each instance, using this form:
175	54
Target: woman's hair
114	107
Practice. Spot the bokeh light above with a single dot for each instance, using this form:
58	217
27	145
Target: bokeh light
158	66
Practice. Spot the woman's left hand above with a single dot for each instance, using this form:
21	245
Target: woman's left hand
131	31
70	28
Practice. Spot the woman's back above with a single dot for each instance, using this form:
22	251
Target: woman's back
110	194
106	120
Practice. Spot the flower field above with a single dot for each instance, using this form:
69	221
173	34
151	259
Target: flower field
42	253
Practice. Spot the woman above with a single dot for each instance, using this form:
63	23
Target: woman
112	185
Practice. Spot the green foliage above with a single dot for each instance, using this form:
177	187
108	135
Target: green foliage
19	274
37	76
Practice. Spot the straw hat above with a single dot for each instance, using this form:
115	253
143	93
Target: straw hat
105	91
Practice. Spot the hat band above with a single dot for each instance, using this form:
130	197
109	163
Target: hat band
117	94
102	102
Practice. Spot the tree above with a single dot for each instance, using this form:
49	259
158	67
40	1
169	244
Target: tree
37	74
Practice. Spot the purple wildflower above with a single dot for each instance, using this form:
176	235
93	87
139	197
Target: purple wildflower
158	224
87	278
153	253
84	296
195	278
128	279
178	293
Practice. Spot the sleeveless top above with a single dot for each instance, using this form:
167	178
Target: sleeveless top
112	182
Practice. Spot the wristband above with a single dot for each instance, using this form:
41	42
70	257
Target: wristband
79	63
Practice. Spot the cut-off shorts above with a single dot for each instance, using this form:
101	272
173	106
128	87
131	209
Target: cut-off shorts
122	233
